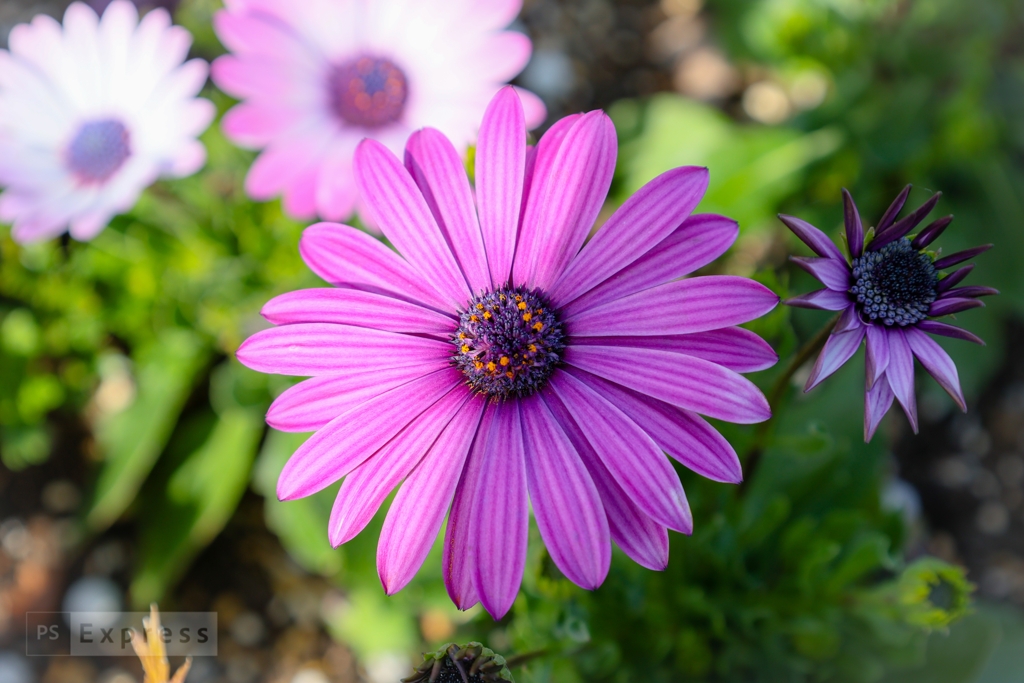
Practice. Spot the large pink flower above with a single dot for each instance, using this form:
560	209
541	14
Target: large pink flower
318	76
497	359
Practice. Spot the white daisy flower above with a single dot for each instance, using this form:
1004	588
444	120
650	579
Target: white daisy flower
91	113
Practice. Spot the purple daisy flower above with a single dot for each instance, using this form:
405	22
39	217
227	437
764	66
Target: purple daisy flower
890	292
497	361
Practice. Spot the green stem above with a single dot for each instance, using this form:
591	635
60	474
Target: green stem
519	660
778	392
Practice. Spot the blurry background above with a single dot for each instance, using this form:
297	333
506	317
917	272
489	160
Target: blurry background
136	465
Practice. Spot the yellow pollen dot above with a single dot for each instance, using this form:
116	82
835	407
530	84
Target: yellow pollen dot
540	311
533	348
504	360
479	365
491	367
527	316
465	348
509	374
474	319
522	305
487	315
480	306
518	298
462	335
538	326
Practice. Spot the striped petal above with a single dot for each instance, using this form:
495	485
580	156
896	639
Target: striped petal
366	486
404	217
877	401
441	176
357	308
346	257
854	226
735	348
419	507
308	349
818	241
565	200
351	438
937	362
640	537
877	352
628	452
647	218
685	306
501	514
683	381
683	435
566	504
838	349
694	244
832	273
500	164
900	374
821	299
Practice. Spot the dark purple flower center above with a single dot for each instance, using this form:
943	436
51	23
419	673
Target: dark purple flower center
369	92
894	285
98	150
508	343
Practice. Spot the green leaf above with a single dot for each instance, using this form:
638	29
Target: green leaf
300	524
199	498
134	438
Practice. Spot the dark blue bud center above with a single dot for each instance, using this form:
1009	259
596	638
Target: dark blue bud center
368	92
98	150
894	285
508	343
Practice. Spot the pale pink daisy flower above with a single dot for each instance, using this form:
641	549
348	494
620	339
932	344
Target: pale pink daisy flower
93	112
318	76
500	359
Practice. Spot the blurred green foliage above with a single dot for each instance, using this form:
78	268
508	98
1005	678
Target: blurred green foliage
798	576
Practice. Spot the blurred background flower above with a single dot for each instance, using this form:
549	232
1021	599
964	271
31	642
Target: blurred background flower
135	456
317	76
91	113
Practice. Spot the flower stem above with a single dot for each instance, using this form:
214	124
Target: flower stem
778	392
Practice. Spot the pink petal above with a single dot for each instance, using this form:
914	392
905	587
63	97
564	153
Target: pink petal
639	536
366	486
541	157
460	546
348	257
877	401
900	374
255	125
416	513
735	348
937	362
311	404
438	171
694	244
646	218
821	299
351	438
628	452
683	381
357	308
565	501
565	198
877	354
500	164
683	435
501	514
309	349
533	108
832	273
839	348
401	212
682	307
